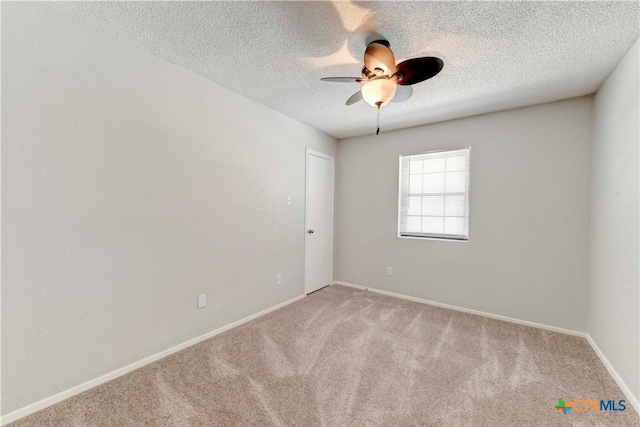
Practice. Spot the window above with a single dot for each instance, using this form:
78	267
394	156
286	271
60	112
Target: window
434	195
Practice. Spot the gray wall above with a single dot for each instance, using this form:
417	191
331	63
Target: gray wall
130	186
614	306
527	256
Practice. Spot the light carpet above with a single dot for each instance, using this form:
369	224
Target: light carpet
346	357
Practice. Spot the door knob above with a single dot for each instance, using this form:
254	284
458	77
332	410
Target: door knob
310	231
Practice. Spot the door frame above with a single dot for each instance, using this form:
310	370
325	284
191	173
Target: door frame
310	152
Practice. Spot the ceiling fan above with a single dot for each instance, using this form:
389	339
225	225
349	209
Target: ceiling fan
384	80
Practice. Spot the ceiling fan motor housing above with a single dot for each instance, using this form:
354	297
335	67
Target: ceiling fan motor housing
379	58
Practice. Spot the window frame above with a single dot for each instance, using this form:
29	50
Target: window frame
436	236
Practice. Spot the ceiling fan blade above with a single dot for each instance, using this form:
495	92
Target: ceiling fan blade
417	70
402	93
342	79
356	97
379	56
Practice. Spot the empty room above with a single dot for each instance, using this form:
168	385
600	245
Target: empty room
329	213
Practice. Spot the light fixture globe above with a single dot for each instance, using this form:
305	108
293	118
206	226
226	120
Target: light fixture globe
379	92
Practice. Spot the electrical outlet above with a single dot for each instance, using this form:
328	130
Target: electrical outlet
288	200
202	301
278	279
389	271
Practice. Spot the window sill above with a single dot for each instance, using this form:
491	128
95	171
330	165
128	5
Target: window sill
434	238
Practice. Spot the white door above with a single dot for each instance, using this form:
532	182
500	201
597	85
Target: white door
318	259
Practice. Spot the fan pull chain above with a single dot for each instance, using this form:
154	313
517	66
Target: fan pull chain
378	130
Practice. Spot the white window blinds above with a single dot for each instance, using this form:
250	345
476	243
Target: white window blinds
434	195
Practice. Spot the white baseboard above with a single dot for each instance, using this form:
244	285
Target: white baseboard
466	310
59	397
623	386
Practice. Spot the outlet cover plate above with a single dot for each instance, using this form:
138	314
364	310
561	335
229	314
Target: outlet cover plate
202	301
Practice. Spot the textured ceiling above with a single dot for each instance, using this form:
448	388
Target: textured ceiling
497	55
